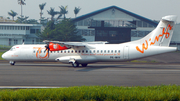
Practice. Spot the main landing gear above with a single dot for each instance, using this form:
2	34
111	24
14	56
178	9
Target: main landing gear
12	62
75	64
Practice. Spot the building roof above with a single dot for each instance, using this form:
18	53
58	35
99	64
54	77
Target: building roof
122	10
19	24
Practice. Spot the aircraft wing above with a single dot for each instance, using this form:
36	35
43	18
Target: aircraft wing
75	44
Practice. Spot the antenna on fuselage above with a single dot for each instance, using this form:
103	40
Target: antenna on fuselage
23	42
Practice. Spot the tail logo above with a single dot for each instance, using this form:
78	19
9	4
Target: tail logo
167	34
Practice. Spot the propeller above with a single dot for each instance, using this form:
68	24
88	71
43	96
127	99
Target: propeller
47	48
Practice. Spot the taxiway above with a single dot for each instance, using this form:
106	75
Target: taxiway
64	75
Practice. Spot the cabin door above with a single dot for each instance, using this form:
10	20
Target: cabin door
126	52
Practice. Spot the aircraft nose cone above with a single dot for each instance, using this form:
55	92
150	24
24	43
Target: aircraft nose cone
3	56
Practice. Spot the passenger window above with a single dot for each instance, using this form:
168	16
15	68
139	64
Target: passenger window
94	51
79	51
57	51
115	51
37	51
89	51
104	51
82	51
86	51
72	51
101	51
111	51
61	51
75	51
68	51
118	51
97	51
64	51
108	51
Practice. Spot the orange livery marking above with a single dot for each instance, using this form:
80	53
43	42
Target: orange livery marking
167	34
143	47
38	54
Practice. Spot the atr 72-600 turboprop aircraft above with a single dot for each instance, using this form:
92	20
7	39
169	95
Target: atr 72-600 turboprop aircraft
156	42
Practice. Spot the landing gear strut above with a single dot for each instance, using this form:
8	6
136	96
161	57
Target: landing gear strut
75	64
12	62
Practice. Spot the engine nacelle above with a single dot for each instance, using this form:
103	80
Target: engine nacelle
56	47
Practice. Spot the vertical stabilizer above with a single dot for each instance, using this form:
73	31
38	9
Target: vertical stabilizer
162	34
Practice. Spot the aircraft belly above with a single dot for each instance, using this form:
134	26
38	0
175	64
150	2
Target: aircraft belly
89	59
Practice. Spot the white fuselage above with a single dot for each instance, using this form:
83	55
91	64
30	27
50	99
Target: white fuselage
93	53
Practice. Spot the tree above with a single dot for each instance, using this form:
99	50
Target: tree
52	13
63	31
76	11
31	21
41	6
63	10
21	19
47	34
13	14
21	2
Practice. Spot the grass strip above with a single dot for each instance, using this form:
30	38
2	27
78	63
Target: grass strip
138	61
1	55
95	93
4	47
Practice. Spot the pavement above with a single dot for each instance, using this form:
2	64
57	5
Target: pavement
64	75
172	57
157	70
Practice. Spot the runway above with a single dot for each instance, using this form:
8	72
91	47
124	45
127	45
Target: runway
64	75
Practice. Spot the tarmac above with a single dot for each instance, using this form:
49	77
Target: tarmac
157	70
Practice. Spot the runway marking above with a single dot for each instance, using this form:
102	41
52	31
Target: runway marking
25	87
129	70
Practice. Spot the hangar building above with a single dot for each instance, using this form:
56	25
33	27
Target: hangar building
113	24
117	25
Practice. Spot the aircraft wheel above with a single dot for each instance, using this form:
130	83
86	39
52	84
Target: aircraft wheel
12	62
75	64
84	65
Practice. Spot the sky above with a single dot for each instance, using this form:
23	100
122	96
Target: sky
151	9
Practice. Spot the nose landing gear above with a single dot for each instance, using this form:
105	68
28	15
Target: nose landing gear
12	62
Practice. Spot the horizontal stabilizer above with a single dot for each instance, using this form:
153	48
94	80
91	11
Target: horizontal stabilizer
170	18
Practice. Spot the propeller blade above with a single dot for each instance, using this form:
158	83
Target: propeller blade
47	49
48	53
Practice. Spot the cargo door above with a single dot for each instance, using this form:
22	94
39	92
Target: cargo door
126	52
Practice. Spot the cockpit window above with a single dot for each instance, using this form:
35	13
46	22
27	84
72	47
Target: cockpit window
13	49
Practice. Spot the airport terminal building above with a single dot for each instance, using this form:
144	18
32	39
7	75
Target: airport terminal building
12	33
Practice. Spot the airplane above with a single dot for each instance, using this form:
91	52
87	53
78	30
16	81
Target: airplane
83	53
